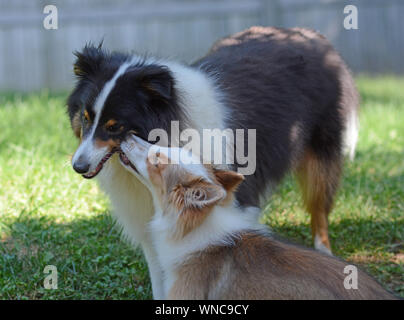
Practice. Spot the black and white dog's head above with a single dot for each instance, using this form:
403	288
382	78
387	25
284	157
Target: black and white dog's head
116	94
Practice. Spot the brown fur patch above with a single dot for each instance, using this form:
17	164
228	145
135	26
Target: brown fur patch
156	166
190	197
110	123
110	143
76	125
260	267
230	181
87	115
194	200
77	71
319	181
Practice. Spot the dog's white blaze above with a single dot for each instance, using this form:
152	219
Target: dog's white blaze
94	155
100	101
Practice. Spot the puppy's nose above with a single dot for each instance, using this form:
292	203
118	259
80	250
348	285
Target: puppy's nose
81	166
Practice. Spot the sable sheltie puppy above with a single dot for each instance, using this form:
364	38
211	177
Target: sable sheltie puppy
289	85
211	248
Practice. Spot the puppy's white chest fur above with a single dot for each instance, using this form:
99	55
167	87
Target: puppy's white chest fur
218	229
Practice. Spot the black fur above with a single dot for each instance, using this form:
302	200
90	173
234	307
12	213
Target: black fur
275	79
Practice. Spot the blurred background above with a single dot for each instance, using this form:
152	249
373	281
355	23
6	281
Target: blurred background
32	57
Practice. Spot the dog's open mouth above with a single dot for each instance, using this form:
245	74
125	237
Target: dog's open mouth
124	159
100	165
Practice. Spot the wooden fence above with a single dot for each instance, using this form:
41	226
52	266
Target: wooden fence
32	57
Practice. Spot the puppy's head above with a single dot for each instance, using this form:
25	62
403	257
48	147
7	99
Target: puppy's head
115	94
185	190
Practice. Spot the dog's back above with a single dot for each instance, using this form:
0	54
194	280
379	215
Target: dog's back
293	87
257	266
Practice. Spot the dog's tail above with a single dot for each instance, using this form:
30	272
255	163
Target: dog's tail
351	133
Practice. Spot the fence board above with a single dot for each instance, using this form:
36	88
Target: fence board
32	58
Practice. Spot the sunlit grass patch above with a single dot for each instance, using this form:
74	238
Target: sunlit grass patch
50	215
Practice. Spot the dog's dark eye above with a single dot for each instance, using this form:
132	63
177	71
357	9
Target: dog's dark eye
113	127
86	117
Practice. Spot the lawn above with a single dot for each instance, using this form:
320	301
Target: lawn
51	216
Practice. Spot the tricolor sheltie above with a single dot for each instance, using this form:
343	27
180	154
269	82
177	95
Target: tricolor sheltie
211	248
288	84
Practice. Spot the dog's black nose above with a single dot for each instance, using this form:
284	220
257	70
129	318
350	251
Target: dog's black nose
81	166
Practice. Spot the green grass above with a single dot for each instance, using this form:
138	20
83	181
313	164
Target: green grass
50	215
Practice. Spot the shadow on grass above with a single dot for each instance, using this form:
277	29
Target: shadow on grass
92	261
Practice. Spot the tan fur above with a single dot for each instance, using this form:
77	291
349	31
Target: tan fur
110	123
110	143
259	267
174	186
156	167
177	188
76	125
230	181
77	71
87	115
192	214
319	182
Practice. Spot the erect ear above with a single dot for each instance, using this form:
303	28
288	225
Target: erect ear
202	196
194	201
230	180
88	60
157	80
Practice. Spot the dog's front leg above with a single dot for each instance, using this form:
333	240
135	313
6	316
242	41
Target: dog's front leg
155	270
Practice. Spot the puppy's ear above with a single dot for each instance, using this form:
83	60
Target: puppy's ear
230	180
88	60
157	81
202	196
194	201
